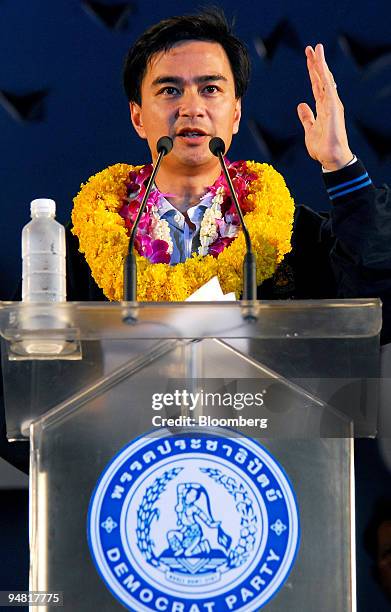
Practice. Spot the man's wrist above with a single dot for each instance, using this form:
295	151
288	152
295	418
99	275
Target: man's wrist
351	161
347	183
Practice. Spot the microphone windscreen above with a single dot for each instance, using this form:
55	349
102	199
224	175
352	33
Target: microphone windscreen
164	144
217	146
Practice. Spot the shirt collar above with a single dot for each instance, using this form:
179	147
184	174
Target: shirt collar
195	212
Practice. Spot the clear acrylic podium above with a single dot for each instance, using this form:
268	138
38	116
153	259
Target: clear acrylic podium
78	380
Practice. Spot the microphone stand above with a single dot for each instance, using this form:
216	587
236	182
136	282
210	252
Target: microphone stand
164	146
217	147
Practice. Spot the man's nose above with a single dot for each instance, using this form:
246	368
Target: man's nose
191	105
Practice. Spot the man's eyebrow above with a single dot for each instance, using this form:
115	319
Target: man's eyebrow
211	77
175	80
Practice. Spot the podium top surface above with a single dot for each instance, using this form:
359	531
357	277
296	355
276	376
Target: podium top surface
356	318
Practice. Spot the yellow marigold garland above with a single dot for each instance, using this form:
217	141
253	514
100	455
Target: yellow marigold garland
104	240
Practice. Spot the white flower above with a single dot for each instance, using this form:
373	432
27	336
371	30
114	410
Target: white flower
202	250
160	230
208	228
218	198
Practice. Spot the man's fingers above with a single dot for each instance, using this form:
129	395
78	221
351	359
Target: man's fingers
306	116
325	75
317	89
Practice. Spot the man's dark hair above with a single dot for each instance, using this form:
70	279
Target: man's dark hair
210	25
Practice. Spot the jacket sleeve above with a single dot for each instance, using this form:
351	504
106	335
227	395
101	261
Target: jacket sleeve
360	223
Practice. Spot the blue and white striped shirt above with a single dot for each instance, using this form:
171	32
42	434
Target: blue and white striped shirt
185	240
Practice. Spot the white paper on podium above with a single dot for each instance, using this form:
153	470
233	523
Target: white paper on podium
211	292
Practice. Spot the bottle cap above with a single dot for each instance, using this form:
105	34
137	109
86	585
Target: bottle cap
43	206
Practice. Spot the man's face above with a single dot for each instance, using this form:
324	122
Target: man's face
188	93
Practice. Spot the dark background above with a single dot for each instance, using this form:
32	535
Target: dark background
63	114
63	117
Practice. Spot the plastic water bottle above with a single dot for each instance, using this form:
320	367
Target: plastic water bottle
43	253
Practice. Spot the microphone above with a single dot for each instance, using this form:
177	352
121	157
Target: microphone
163	147
217	147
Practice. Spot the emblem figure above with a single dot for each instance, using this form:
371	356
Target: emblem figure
194	526
189	540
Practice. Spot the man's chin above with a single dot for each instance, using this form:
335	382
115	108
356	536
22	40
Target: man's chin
195	156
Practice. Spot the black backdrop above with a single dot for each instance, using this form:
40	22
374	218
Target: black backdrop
63	114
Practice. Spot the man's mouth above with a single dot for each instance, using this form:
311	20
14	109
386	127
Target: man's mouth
191	133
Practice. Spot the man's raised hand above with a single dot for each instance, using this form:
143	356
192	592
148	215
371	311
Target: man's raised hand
325	135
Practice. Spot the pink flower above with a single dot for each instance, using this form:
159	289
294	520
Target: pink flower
160	252
219	245
123	211
240	166
144	224
154	198
132	186
155	250
240	186
143	245
144	173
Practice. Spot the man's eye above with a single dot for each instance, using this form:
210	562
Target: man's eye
210	89
170	91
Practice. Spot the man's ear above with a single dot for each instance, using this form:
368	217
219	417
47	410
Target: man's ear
237	115
137	119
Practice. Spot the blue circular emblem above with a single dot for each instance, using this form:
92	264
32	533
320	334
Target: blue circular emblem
193	522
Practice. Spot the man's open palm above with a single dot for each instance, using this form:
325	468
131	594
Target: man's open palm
325	135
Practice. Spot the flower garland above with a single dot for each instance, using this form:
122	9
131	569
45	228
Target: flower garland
106	206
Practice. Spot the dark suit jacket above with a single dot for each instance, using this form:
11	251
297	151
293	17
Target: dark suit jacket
345	253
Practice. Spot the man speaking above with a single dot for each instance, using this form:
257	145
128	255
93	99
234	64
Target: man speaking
185	78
